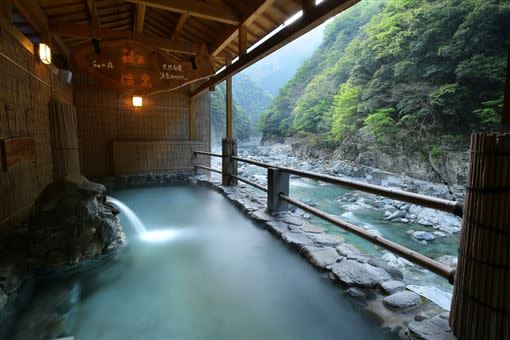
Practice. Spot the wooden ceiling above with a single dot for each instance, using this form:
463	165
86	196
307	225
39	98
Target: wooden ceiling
179	26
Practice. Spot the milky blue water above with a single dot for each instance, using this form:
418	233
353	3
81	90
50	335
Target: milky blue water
214	274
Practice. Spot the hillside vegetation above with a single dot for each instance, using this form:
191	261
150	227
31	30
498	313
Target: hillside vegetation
422	74
250	100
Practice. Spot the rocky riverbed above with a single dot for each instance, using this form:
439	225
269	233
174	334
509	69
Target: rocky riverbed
437	224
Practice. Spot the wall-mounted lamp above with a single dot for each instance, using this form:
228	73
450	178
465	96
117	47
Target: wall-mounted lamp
137	101
45	53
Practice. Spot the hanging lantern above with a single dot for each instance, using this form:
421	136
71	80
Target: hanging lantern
45	53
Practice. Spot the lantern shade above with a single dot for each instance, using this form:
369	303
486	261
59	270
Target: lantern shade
137	101
45	53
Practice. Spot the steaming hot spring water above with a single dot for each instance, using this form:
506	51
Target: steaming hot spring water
196	268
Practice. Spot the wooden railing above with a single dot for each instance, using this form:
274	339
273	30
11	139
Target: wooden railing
409	197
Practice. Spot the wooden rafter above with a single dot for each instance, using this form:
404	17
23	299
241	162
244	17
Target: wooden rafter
221	13
139	18
259	7
92	11
311	18
34	14
180	24
86	31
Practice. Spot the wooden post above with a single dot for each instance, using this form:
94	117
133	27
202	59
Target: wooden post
228	165
481	298
277	183
243	40
229	103
191	118
506	105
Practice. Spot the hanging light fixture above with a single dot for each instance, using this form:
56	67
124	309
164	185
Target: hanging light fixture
137	101
45	53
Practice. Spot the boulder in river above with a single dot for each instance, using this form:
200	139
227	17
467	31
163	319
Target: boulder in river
423	236
395	215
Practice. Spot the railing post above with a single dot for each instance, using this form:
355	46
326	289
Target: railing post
228	165
277	183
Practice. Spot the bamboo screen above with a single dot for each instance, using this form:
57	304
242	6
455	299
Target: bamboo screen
25	92
112	134
481	299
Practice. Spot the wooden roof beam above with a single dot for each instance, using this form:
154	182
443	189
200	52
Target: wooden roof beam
139	18
311	18
259	7
182	21
86	31
93	16
38	19
200	9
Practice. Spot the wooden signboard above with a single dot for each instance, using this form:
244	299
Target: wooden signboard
14	151
131	65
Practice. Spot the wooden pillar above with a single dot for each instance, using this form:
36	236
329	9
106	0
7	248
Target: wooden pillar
481	297
228	165
243	40
229	103
64	140
191	118
506	105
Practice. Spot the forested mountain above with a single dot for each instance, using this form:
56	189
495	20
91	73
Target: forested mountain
250	100
276	69
242	123
413	72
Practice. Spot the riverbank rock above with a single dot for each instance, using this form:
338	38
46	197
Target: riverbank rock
321	257
391	287
353	273
402	299
328	239
435	328
72	221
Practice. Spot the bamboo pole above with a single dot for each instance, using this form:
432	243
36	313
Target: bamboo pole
481	301
64	140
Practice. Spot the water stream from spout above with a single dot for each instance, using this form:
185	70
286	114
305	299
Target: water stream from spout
160	235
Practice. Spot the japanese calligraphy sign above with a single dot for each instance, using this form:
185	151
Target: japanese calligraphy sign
131	65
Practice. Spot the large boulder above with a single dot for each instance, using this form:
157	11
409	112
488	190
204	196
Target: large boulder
72	221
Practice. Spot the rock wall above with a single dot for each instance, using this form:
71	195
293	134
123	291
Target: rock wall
445	167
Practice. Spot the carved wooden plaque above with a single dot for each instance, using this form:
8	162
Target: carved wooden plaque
16	150
131	65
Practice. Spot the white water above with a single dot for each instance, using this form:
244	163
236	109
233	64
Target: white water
130	215
159	235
